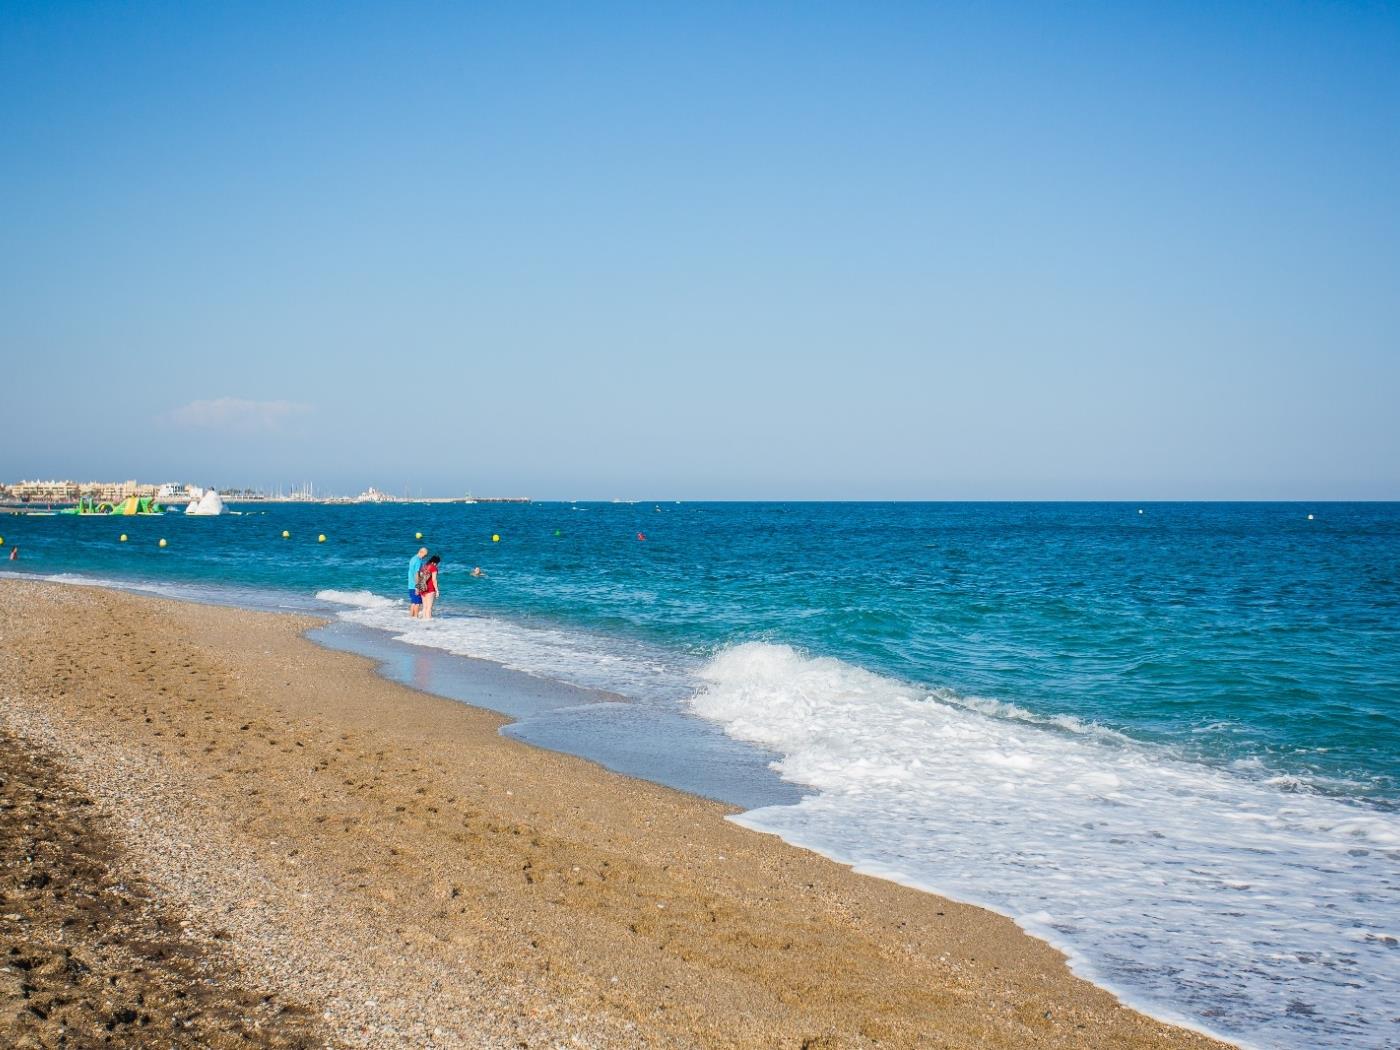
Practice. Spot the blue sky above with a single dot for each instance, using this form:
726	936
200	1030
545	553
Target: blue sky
753	250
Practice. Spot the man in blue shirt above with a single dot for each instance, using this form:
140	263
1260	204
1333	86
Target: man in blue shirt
415	600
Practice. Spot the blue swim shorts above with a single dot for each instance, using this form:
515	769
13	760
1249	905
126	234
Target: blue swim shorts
414	598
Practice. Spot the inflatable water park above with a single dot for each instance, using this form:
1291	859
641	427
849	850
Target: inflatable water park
208	504
130	505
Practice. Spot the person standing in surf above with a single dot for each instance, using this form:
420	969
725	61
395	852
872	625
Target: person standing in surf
428	585
415	600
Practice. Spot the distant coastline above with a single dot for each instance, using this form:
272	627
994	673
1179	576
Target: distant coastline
47	495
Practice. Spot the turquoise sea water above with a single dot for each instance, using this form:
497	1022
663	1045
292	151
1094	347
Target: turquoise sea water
1165	736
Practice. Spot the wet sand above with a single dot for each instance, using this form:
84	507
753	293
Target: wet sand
328	858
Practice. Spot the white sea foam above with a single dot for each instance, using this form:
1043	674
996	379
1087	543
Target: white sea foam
360	599
1001	709
1198	894
591	661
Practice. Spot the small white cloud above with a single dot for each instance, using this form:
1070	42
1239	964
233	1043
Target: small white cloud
236	413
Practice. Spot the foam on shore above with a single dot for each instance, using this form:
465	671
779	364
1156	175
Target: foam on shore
1199	895
1210	897
592	661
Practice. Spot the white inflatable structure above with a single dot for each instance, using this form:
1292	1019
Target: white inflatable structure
208	504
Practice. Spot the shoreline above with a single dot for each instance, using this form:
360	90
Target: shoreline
572	902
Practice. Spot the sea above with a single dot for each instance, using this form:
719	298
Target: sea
1164	737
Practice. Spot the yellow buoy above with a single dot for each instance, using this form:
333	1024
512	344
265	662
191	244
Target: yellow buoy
321	538
162	542
123	537
495	538
286	535
417	535
2	541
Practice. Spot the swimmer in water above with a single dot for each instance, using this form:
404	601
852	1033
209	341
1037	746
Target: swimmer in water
476	571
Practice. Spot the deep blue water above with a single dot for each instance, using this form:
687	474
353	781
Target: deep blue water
1165	736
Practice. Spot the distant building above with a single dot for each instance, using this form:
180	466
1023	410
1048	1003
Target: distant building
46	491
115	491
72	491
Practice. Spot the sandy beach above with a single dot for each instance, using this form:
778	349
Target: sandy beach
219	834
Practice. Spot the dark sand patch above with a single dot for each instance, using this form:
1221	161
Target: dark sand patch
89	956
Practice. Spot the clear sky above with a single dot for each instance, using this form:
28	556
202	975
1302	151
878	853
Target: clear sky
807	250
